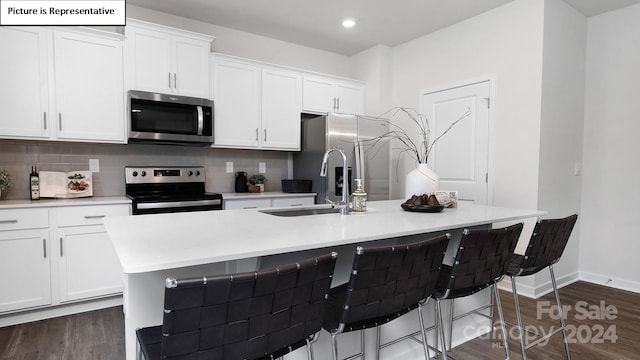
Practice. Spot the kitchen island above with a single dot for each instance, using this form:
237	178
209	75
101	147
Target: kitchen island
153	247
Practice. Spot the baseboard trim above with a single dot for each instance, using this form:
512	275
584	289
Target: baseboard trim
535	292
622	284
59	310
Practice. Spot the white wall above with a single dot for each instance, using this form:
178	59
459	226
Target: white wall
505	42
252	46
561	127
609	241
374	65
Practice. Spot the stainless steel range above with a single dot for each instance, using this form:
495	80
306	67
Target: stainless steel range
156	190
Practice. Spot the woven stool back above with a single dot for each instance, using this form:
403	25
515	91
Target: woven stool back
249	315
481	260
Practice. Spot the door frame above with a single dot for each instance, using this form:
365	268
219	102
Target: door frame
491	78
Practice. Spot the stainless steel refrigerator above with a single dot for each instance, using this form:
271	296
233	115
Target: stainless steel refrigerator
367	158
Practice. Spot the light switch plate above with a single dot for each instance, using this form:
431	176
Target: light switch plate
94	165
229	167
262	167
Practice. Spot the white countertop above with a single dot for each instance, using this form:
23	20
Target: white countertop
263	195
94	200
147	243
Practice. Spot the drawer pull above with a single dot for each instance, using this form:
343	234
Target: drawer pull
94	216
8	221
295	205
250	207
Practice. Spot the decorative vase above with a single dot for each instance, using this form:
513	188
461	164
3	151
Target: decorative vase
421	180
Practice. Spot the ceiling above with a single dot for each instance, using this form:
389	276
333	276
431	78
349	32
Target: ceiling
317	24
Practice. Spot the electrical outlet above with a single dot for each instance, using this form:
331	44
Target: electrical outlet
262	167
229	167
94	165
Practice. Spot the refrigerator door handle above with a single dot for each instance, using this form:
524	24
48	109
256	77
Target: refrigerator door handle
360	161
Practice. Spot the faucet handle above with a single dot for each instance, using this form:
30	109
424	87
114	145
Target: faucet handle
333	203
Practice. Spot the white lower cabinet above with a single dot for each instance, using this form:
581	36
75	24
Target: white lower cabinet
247	204
58	255
297	201
25	268
254	203
87	263
25	259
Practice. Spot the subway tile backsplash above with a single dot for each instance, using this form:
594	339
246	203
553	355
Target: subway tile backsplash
17	157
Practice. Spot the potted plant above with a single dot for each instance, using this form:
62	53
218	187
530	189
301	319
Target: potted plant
256	183
5	180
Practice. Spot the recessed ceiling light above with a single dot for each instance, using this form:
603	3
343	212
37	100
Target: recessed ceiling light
348	23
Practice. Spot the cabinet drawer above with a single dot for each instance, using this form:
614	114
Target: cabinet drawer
299	201
18	219
89	215
247	204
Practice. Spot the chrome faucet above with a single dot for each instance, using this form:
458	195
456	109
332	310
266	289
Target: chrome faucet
344	210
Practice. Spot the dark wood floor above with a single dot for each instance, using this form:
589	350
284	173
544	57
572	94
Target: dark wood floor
598	338
100	334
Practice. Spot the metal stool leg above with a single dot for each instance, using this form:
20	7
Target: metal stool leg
334	345
451	324
425	344
502	325
564	329
439	324
519	319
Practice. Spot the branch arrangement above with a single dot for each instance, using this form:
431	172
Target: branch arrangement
420	150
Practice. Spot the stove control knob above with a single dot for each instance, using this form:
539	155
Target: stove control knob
135	173
197	172
144	173
190	173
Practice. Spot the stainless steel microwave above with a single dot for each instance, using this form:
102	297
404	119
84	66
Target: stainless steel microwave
170	119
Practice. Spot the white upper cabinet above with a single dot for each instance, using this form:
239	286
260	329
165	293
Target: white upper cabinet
24	99
281	107
62	85
256	106
167	60
89	88
236	96
327	94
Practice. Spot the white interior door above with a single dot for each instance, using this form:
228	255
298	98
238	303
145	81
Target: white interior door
461	157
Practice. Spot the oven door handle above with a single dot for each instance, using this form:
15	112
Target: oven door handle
177	204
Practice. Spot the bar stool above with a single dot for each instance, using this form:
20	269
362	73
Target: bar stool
481	261
545	248
386	282
254	315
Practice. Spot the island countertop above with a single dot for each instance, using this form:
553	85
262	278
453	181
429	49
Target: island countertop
146	243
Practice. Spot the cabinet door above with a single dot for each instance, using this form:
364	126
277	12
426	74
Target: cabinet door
150	59
25	265
281	107
24	99
87	263
89	88
247	204
350	98
318	94
294	201
191	67
236	92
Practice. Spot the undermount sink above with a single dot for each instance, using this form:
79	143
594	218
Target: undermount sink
301	211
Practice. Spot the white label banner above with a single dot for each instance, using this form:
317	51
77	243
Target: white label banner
67	12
